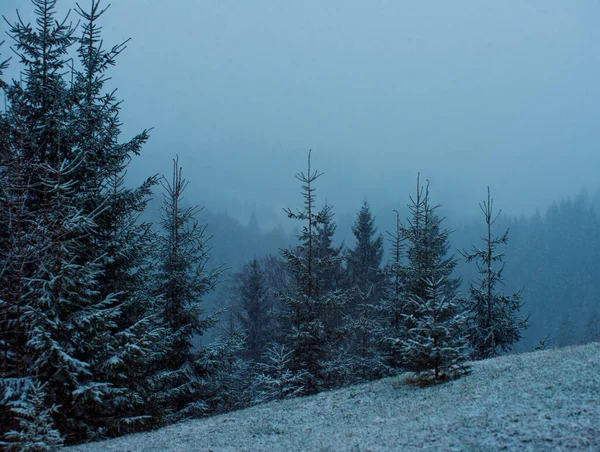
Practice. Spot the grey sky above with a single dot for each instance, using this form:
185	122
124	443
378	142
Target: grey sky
470	93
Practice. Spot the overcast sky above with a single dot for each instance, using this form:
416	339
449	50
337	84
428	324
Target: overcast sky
469	93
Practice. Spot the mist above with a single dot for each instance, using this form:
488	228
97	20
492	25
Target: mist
467	94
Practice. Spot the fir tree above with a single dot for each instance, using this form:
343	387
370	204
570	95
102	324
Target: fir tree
369	354
254	310
364	261
391	331
435	347
68	319
64	160
183	281
330	276
309	312
275	380
427	248
35	431
122	244
231	384
433	338
494	324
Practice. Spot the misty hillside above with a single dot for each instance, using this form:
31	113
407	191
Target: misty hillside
545	400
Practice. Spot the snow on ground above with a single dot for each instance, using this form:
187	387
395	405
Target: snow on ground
548	400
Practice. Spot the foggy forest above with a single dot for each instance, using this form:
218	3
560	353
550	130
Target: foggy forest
208	208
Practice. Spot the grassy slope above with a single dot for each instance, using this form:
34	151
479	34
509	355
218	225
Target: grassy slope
547	400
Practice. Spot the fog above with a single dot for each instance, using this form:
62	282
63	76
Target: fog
468	93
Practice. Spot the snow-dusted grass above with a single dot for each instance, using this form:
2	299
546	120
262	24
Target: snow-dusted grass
548	400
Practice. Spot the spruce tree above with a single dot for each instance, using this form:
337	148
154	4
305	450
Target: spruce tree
310	313
494	324
183	281
367	340
435	347
34	430
364	278
122	244
364	261
254	310
275	380
433	340
330	276
427	246
63	162
391	331
232	382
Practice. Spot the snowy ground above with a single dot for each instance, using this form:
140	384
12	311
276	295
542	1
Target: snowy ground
547	400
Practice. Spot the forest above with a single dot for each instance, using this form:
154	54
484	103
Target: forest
125	309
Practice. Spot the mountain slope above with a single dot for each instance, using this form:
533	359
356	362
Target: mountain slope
548	400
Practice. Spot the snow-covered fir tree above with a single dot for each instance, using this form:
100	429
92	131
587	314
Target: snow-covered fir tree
436	347
69	321
232	382
34	429
432	337
275	379
366	345
427	246
63	159
121	243
311	315
183	281
494	323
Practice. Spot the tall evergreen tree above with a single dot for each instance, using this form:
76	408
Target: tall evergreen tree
69	321
64	165
183	280
427	248
494	324
310	312
364	278
121	243
433	322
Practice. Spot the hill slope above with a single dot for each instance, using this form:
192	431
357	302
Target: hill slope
547	400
